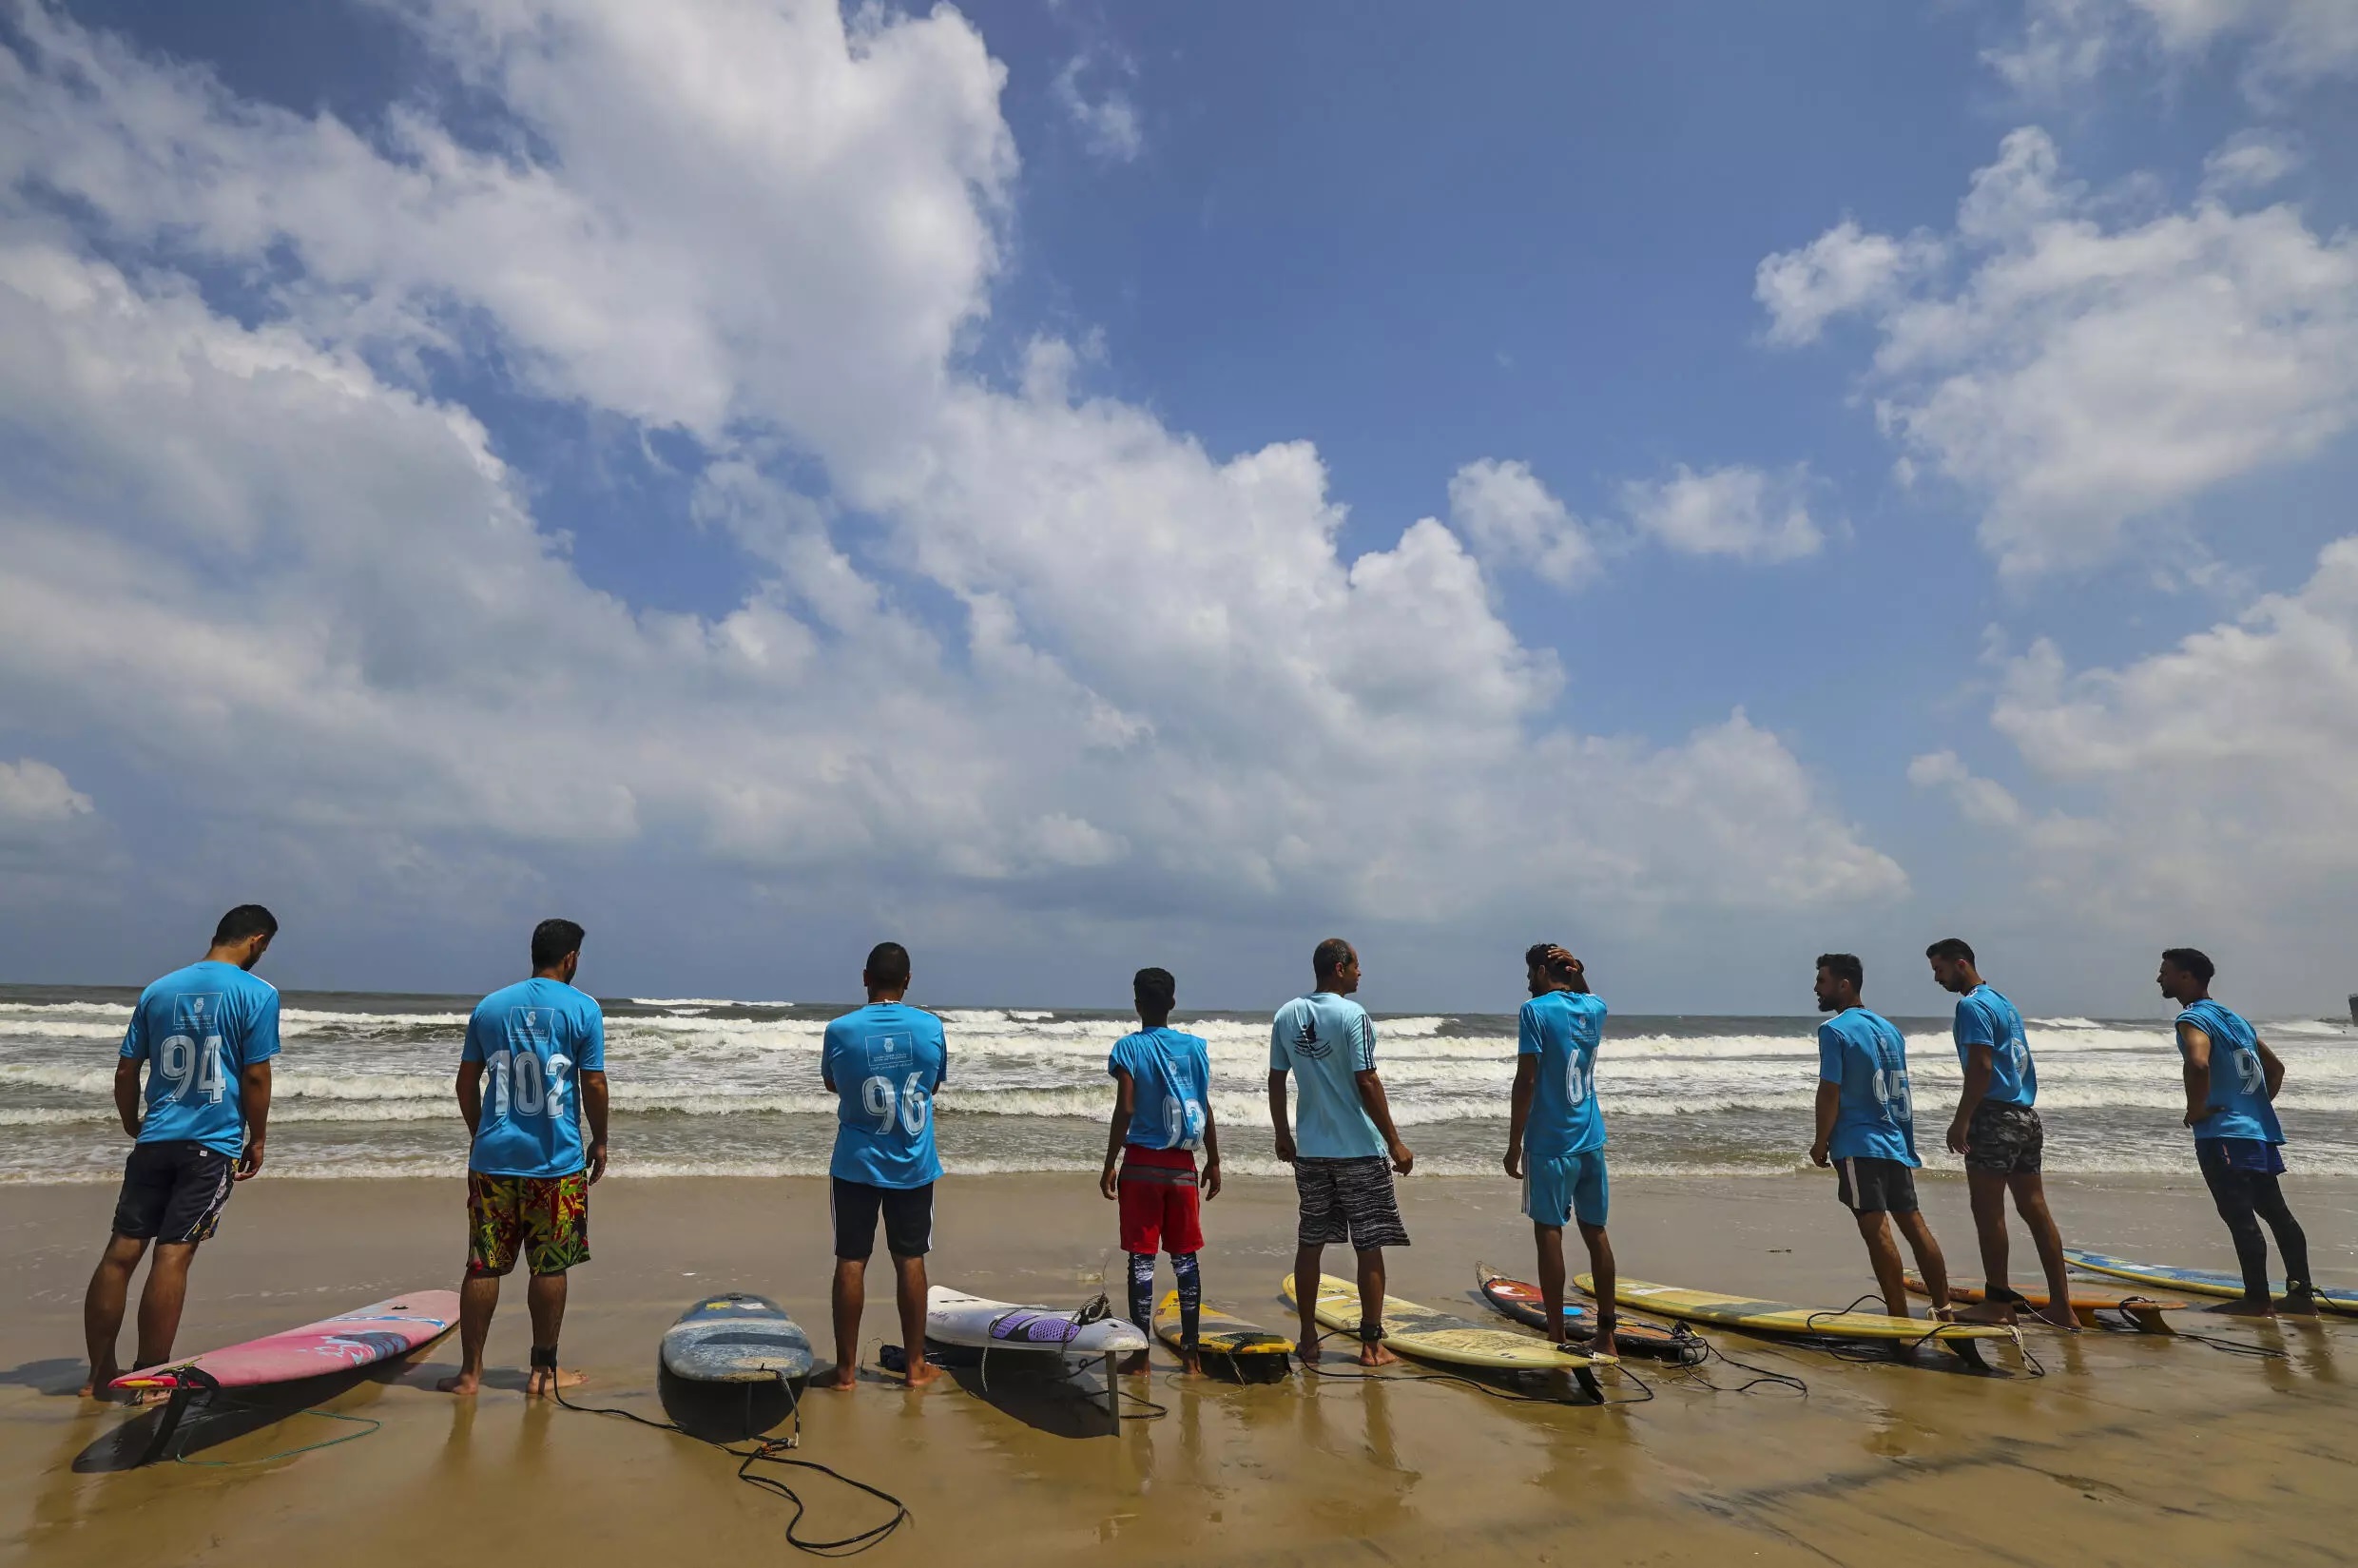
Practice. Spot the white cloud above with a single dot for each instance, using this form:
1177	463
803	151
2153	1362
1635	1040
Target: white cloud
1108	122
2084	373
1158	685
1510	519
1737	511
33	793
2066	43
1844	269
2250	160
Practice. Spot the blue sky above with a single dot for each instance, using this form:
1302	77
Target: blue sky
759	487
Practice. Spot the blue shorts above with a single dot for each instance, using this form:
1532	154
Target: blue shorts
1560	1187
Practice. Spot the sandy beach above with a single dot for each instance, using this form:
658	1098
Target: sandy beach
2118	1454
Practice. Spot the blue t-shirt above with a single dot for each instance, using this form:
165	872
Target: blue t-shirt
198	1029
1325	1042
533	1038
1561	1028
886	1061
1861	1051
1171	1079
2239	1104
1984	1017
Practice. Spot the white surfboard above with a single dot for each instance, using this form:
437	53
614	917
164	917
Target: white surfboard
953	1317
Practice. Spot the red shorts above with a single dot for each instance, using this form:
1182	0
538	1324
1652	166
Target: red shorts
1159	1209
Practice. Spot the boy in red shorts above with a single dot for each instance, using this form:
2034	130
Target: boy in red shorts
1162	1115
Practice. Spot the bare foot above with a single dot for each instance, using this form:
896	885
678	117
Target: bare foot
465	1384
545	1382
1999	1314
1307	1353
1601	1348
1134	1364
1192	1362
97	1387
2243	1306
921	1372
1372	1353
2060	1315
842	1379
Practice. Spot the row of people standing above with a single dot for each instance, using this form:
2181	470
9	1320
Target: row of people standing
193	1083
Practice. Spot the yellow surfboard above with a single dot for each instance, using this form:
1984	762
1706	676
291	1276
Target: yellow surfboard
1421	1332
1251	1351
1776	1317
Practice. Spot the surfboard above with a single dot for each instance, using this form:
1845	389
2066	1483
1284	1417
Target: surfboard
953	1317
1776	1317
736	1337
1428	1335
1247	1349
362	1337
1521	1301
2200	1282
2143	1311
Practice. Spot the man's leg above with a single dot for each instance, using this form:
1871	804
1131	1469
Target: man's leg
2268	1195
1307	1275
1141	1305
479	1298
494	1236
2233	1194
1189	1274
1929	1263
545	1297
102	1310
1988	1189
1601	1271
909	1287
161	1302
2030	1200
1875	1230
850	1298
1371	1350
1550	1241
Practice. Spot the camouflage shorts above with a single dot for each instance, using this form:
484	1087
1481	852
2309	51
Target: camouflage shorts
545	1217
2004	1139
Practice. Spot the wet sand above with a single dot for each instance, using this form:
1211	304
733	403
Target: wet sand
2130	1448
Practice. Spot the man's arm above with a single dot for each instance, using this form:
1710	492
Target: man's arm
2271	1066
126	1094
253	1098
470	1094
1379	1112
1830	1107
1980	1066
1124	1106
1279	1123
2195	1044
593	1106
1212	1153
1526	1084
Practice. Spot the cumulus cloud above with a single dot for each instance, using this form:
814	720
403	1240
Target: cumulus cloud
1068	660
2081	371
1741	511
33	793
1844	269
1511	518
2250	160
1107	122
2066	43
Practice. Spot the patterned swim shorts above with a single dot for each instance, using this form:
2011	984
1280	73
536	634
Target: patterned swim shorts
2004	1139
545	1217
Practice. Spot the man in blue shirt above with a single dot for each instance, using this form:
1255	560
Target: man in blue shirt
884	1064
205	1035
1162	1115
1555	1135
532	1068
1341	1177
1997	1130
1868	1129
2232	1081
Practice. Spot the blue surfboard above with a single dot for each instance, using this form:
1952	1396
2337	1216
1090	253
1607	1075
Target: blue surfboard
2200	1282
736	1337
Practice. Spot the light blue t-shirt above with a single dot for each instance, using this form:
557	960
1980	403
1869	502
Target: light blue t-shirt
1984	1017
2239	1104
1561	1028
1861	1051
886	1061
1170	1081
534	1038
1325	1042
198	1029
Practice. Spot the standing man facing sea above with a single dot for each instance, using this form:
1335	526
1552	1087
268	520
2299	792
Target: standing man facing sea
541	1045
1162	1115
1340	1172
2231	1080
1868	1129
1556	1130
1997	1131
205	1034
884	1063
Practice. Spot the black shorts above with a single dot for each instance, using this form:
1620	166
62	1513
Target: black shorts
2004	1139
173	1190
908	1218
1872	1186
1348	1200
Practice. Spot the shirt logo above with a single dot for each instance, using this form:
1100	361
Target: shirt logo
1307	1042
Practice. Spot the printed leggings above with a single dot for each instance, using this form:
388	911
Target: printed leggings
2245	1198
1142	1293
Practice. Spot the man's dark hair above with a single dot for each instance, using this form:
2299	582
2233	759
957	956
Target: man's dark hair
2193	961
888	966
1540	956
1329	956
247	919
552	941
1845	965
1155	989
1950	947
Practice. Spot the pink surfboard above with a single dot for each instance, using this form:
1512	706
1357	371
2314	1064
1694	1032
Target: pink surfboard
360	1337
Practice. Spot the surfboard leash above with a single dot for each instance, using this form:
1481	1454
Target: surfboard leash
1693	1372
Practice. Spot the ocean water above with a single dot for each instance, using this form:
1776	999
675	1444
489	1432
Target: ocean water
707	1086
